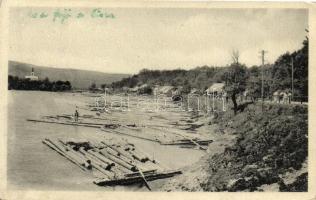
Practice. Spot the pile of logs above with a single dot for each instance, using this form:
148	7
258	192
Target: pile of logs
164	136
115	163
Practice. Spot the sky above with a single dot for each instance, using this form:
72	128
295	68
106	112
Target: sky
130	39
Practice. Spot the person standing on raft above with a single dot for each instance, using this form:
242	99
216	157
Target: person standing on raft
76	115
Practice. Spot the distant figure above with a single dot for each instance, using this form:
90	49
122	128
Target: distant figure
76	115
284	97
290	97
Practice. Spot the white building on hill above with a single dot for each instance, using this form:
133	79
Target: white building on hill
32	77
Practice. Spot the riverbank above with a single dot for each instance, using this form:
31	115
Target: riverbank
266	150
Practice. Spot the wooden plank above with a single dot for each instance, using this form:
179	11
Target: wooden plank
131	135
136	179
65	123
144	178
144	172
186	137
187	142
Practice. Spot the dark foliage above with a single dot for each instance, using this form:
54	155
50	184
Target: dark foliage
277	76
267	145
16	83
299	185
235	82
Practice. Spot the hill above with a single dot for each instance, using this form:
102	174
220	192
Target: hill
80	79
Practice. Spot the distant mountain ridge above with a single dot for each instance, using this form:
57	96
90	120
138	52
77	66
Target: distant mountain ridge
80	79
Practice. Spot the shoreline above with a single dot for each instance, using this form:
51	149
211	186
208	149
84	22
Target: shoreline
232	168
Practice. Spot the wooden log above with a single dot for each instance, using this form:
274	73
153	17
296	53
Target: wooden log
66	123
118	161
145	155
123	170
119	151
197	140
103	171
140	155
65	116
94	164
51	145
136	179
128	126
187	142
117	155
137	173
111	151
144	178
93	159
188	138
68	150
128	134
101	157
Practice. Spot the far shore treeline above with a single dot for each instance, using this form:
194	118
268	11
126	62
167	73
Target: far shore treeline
16	83
277	76
237	78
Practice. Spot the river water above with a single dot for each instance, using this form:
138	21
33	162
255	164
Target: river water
32	165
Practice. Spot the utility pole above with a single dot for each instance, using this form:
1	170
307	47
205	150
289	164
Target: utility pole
262	92
292	66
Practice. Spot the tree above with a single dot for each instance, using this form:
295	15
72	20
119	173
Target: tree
282	70
235	82
68	85
103	86
93	87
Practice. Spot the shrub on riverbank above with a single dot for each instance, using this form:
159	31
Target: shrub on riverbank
270	142
269	150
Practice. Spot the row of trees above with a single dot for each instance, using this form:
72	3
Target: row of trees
236	76
16	83
279	75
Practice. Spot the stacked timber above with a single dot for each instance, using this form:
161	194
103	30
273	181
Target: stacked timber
115	163
162	135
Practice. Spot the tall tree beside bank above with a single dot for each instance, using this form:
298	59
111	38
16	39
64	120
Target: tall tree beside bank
235	82
254	83
282	72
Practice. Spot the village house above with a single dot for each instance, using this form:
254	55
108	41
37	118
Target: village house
177	91
194	91
164	90
217	89
139	89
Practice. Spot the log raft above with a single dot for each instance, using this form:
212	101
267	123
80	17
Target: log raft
185	141
116	164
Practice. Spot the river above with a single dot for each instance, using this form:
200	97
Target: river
32	165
